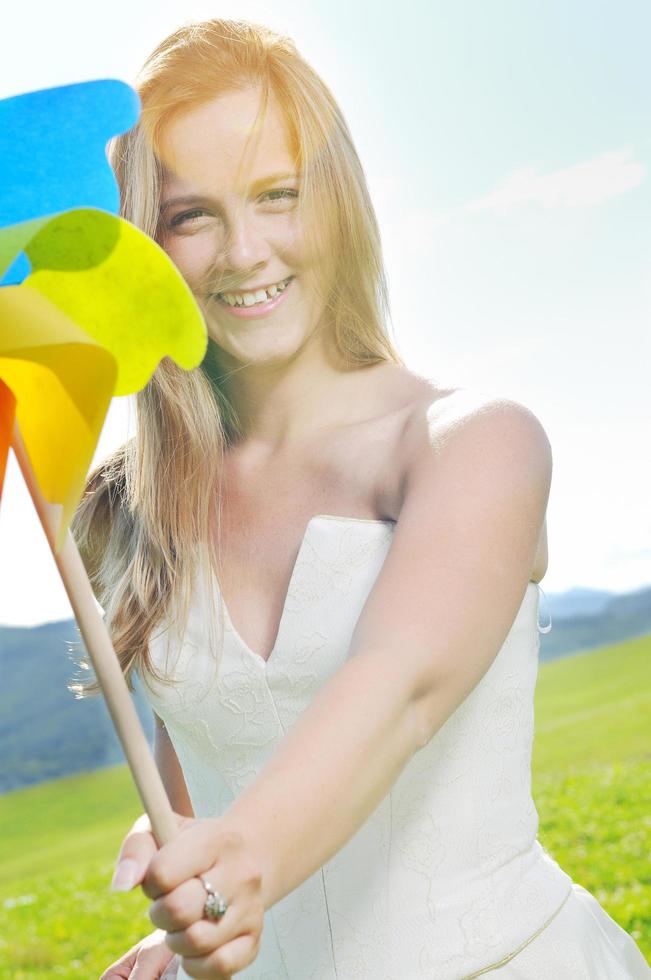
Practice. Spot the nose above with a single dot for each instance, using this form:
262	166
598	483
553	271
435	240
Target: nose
246	248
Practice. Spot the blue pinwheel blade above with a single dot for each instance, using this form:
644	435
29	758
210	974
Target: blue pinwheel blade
53	148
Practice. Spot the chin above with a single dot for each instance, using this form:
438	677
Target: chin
257	352
260	342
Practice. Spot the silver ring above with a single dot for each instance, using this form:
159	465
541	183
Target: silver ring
215	904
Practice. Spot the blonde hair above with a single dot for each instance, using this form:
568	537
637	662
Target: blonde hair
148	519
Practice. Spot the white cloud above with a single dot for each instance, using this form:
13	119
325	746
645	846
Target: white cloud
589	183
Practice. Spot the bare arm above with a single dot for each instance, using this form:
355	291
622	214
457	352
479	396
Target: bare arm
445	598
170	770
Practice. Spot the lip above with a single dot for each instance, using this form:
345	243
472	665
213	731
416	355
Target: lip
254	312
254	289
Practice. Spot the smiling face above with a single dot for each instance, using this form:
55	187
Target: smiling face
230	222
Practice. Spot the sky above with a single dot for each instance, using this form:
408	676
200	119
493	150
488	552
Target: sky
507	148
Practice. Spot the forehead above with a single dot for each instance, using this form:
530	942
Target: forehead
206	147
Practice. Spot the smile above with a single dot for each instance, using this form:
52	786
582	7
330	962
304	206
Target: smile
254	304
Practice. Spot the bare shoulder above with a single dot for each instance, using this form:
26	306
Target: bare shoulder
429	407
423	425
473	421
403	397
474	492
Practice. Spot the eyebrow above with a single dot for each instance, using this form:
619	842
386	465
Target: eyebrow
256	187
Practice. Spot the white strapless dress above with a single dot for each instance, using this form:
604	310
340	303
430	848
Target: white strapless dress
446	879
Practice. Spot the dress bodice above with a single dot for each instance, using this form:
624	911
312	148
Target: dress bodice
446	877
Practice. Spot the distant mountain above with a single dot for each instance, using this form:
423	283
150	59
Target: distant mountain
579	602
45	732
583	619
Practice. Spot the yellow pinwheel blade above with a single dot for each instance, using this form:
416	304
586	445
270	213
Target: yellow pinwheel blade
63	381
122	288
102	306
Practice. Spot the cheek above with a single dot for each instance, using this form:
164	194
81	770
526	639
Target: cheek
285	235
313	249
192	256
317	256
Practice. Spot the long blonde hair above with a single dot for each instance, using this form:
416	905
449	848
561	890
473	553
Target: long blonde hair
148	519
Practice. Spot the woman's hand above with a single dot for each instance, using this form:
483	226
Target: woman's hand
169	876
150	959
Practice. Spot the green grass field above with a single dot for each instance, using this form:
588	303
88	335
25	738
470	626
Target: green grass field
59	840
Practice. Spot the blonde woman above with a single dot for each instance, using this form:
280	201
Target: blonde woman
345	732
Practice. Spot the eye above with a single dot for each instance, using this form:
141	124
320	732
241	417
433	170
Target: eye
284	192
186	216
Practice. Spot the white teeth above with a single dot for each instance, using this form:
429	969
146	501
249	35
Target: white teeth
250	299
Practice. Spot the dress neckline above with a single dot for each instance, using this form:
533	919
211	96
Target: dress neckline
265	663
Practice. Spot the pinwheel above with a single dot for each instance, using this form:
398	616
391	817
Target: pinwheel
89	305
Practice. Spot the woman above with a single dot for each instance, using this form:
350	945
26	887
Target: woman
348	743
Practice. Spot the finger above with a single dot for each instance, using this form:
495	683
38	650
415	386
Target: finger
151	963
121	969
192	851
116	972
137	850
223	962
199	939
144	951
179	908
172	970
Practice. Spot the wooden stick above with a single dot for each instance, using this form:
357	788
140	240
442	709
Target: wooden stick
103	657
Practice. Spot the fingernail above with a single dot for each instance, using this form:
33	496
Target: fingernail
125	876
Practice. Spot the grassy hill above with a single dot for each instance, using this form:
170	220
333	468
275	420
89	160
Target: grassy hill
591	785
59	840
